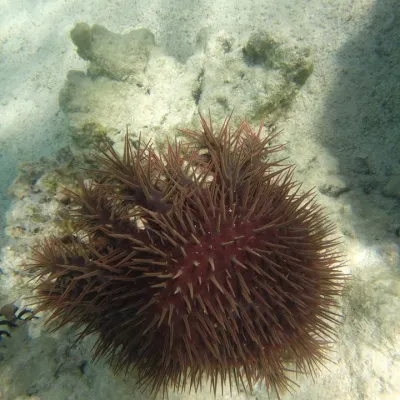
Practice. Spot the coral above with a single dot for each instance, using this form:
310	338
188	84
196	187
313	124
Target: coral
200	263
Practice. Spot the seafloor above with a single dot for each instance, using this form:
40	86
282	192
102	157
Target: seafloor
326	72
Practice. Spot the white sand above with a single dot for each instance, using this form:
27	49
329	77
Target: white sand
342	132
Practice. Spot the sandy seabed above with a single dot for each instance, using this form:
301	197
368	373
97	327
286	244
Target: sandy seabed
342	130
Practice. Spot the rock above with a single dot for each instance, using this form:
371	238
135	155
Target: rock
64	155
62	198
29	174
361	165
258	78
81	35
392	187
334	187
32	390
139	84
111	54
263	49
83	366
368	185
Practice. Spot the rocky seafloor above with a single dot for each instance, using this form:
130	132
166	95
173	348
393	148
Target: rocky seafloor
132	83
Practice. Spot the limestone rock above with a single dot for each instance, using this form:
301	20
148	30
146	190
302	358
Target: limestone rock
110	54
137	84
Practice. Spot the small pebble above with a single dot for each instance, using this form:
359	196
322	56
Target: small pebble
83	366
62	198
